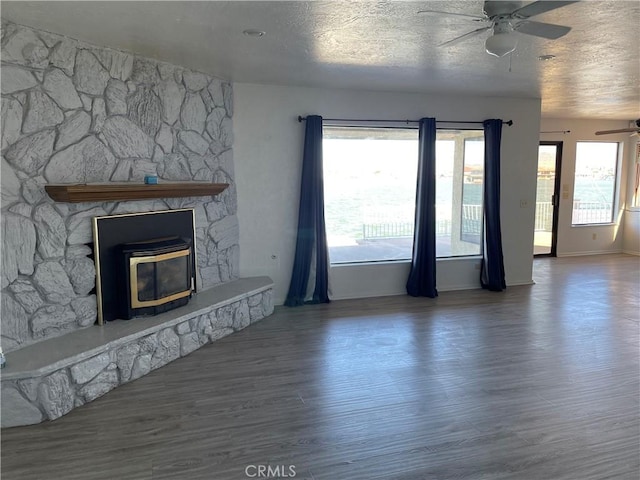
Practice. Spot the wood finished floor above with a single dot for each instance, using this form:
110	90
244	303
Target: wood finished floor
538	382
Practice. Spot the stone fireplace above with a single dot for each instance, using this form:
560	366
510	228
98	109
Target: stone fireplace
77	113
74	113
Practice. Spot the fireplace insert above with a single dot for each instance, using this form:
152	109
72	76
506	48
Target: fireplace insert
154	276
113	234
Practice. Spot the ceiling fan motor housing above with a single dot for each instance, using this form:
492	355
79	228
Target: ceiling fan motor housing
492	8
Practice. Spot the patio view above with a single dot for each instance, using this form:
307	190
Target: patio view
593	189
370	181
370	187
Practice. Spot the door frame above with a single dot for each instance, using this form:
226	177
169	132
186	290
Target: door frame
555	199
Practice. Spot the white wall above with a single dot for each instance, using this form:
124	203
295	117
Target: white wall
580	240
631	234
267	156
631	215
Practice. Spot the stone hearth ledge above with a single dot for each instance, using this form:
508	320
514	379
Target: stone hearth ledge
49	379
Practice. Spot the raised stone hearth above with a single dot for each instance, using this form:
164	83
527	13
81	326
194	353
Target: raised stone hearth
49	379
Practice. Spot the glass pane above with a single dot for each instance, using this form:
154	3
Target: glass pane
146	281
472	192
636	185
370	181
459	180
544	193
172	276
595	182
157	280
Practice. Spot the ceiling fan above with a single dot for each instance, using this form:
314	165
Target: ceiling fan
632	130
505	18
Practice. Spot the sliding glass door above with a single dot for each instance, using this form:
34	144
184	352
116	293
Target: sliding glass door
546	222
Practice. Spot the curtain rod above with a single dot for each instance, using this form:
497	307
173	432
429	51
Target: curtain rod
302	119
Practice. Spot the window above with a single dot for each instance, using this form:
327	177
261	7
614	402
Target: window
636	185
370	192
595	183
459	183
370	179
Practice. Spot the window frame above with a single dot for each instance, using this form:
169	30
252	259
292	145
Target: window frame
365	125
408	126
635	173
615	200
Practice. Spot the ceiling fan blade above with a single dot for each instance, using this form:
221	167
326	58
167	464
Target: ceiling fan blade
474	18
544	30
536	8
620	130
465	36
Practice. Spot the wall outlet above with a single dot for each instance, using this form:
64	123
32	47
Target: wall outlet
524	203
594	236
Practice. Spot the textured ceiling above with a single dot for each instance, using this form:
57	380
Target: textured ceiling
373	46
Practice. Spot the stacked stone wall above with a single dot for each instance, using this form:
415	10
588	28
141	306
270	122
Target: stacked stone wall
77	113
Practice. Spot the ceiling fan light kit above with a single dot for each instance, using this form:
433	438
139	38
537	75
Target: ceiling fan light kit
501	44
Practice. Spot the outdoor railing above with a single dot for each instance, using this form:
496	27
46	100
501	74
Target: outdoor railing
544	217
591	212
583	213
471	225
387	230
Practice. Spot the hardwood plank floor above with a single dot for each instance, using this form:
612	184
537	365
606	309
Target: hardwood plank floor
538	382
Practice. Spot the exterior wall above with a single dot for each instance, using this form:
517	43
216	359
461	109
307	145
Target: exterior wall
268	154
580	240
77	113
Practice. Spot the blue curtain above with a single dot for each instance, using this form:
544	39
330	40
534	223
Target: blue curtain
311	239
422	278
492	270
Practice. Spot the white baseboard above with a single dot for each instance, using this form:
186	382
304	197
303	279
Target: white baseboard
517	284
457	288
366	295
631	252
595	252
454	288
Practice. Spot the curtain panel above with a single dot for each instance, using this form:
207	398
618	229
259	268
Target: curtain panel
492	276
311	240
422	278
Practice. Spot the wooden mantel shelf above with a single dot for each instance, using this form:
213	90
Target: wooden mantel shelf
109	192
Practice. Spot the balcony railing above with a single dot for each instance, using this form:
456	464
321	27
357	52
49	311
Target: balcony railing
544	217
471	225
583	213
591	212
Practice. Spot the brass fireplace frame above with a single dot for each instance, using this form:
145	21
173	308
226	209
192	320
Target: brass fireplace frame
133	279
95	220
